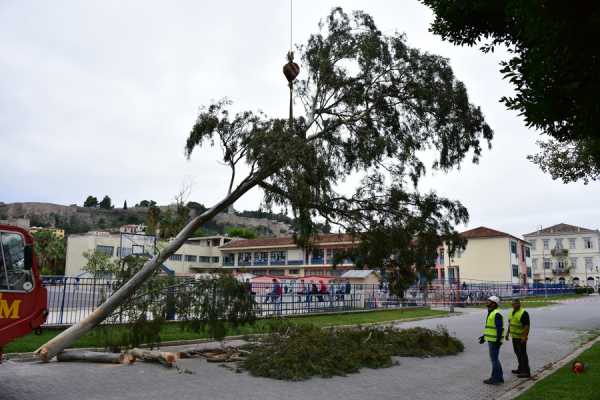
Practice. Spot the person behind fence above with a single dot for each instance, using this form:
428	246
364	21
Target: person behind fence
493	334
322	291
518	330
275	293
301	290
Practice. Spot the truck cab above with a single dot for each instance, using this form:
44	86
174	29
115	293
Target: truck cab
23	299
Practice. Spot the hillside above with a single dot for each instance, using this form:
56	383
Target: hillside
75	219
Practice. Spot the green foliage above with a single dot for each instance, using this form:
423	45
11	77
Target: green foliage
146	203
584	290
374	105
265	214
99	264
213	304
90	201
106	203
553	67
50	251
301	352
237	231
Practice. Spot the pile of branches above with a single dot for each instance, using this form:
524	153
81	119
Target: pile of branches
301	352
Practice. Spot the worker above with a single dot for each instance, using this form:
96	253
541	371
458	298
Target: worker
493	334
518	330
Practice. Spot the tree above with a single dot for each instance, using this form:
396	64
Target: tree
91	202
99	264
238	231
372	106
106	203
50	251
125	205
146	203
553	67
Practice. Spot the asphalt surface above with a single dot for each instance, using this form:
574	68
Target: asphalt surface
556	331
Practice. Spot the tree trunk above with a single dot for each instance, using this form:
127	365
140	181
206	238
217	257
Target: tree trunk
94	356
63	340
163	357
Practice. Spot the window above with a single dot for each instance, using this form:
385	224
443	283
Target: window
513	247
14	274
573	262
572	243
294	272
261	258
533	243
534	263
547	263
189	258
176	257
589	262
317	256
528	272
442	256
107	250
546	244
204	259
228	259
561	264
515	271
527	252
244	258
278	257
215	260
587	243
558	243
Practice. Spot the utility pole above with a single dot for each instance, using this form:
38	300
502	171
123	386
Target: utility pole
543	263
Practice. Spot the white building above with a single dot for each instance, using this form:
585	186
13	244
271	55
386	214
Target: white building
566	253
200	254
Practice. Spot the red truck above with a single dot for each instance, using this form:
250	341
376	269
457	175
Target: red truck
23	299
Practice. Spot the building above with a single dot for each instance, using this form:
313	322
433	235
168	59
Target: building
362	276
566	254
196	255
281	256
199	255
490	255
20	222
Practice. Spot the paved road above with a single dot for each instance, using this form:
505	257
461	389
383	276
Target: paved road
555	333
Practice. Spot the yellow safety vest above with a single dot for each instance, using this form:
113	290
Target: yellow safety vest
514	320
489	332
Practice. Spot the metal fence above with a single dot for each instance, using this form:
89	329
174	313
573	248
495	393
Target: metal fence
71	299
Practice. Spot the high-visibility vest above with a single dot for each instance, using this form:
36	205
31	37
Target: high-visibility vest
490	332
514	320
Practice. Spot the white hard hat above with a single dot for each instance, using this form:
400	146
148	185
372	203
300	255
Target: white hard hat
495	299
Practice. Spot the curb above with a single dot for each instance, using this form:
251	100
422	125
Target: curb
522	386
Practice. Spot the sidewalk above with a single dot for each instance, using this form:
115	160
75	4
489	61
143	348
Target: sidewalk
555	332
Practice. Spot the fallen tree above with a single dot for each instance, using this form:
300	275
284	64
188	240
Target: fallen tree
372	106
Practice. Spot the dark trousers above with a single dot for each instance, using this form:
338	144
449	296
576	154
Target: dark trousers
497	375
520	348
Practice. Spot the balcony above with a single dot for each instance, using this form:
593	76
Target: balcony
317	260
261	262
295	262
561	271
244	263
228	263
557	252
277	262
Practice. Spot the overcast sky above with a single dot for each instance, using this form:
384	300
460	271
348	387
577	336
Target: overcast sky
98	97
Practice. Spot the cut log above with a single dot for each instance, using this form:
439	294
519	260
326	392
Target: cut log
166	358
95	356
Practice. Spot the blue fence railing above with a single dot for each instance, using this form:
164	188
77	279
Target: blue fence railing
70	299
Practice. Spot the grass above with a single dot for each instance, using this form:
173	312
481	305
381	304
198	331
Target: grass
565	385
301	352
174	331
538	301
